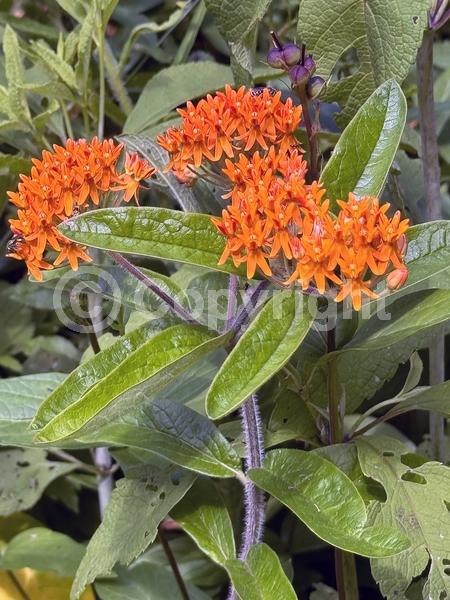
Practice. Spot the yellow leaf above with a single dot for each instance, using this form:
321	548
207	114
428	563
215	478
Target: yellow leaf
37	585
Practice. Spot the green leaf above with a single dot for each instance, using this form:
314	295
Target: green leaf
14	76
417	503
435	398
203	515
20	398
261	576
151	366
25	475
379	346
384	33
158	232
75	8
364	153
138	504
145	581
326	500
236	18
42	549
84	48
54	63
271	339
173	86
29	26
289	420
175	432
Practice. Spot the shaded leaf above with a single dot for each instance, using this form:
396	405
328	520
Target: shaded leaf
435	398
236	18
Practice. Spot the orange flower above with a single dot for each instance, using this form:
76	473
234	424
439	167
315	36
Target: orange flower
62	182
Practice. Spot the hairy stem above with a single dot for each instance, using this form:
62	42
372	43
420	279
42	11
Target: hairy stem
173	562
432	179
115	82
310	132
346	578
175	306
244	312
232	300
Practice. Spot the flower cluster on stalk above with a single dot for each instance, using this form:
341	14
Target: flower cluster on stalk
275	221
62	183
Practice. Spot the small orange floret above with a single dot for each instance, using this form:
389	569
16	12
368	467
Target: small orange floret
61	183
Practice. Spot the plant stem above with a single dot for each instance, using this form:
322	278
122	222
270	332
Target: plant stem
432	179
115	82
101	68
310	132
66	118
346	578
245	310
173	563
177	308
232	300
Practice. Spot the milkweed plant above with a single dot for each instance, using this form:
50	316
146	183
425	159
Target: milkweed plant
261	300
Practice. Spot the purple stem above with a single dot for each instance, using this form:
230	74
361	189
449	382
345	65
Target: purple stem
232	300
154	287
245	310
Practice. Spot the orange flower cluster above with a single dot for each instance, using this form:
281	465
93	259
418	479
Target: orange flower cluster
228	123
64	183
274	214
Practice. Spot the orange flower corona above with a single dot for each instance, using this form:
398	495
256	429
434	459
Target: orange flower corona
64	183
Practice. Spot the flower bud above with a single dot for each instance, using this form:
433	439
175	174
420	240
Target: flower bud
291	54
299	75
401	245
275	58
310	64
397	278
315	86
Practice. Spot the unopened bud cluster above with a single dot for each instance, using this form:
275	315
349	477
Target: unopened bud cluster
299	66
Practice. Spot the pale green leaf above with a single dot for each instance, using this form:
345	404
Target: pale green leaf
260	576
236	18
385	34
174	86
435	398
84	48
14	75
158	232
137	506
203	515
54	63
268	343
417	504
43	550
326	500
364	153
75	8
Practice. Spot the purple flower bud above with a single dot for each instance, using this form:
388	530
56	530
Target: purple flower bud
309	64
315	86
275	58
299	75
291	54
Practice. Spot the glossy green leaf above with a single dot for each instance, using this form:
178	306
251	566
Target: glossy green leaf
268	343
260	576
326	500
203	515
380	345
173	86
157	232
153	365
138	504
20	398
385	34
362	157
175	432
43	550
417	504
25	475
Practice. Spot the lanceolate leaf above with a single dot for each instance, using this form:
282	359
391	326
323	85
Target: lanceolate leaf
326	500
385	34
269	342
435	398
158	232
260	576
417	504
380	345
152	366
174	86
17	105
137	506
203	515
175	432
363	156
